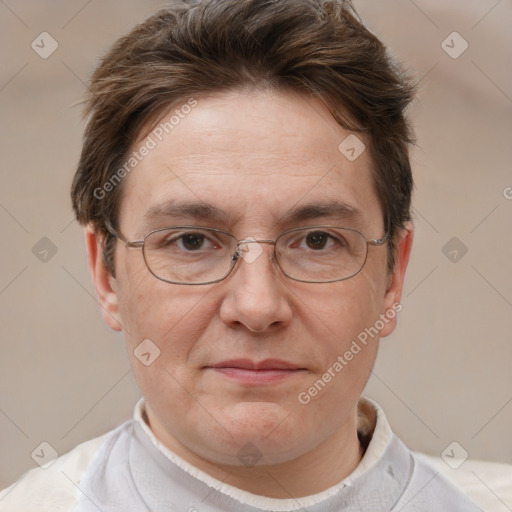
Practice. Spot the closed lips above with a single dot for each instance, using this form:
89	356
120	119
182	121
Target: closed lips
267	364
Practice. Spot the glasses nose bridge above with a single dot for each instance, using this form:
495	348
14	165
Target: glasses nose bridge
250	240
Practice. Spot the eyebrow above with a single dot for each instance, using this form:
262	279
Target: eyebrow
203	211
196	210
335	209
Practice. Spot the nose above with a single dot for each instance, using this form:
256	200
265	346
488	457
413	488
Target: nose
255	295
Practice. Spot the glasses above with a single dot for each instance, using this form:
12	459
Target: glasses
193	255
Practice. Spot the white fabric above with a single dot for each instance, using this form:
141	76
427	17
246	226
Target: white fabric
55	488
489	484
133	473
381	435
129	461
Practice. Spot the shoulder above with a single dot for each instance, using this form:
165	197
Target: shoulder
488	484
54	488
433	485
429	489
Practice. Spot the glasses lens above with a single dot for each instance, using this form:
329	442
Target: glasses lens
321	253
189	255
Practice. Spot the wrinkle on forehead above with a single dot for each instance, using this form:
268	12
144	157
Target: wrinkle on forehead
256	156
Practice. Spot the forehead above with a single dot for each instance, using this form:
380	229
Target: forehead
254	156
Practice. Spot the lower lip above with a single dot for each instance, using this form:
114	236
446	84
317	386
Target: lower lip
255	376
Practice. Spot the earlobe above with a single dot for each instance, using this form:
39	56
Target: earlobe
396	279
104	282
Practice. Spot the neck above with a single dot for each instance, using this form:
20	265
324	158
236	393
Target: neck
325	466
315	471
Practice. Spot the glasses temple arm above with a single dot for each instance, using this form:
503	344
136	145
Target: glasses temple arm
115	233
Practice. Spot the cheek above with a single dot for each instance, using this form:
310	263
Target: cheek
165	321
134	293
345	308
175	318
342	324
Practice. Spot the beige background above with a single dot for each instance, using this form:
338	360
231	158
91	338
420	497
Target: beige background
445	375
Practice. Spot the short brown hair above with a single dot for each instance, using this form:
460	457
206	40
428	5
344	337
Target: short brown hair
194	48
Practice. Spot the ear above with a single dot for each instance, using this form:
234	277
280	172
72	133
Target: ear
395	281
104	283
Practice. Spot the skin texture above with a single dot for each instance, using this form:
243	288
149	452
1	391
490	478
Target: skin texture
255	154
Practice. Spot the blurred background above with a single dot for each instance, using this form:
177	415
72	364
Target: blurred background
445	374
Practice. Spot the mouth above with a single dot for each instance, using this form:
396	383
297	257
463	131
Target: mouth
251	372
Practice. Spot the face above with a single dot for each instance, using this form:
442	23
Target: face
255	158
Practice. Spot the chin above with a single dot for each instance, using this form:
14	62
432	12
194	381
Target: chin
258	418
263	429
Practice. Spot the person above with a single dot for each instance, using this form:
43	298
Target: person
245	189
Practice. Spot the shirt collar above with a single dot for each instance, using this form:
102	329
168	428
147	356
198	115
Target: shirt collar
372	425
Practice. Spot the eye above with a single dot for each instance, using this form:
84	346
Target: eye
187	241
192	241
320	241
317	240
